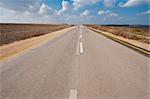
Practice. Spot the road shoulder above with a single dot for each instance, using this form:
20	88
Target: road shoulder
135	45
12	49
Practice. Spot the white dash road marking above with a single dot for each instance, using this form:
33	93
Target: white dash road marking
81	48
80	36
73	94
78	47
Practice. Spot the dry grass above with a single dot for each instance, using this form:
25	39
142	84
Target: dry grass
15	32
139	34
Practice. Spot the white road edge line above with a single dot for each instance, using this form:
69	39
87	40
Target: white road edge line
81	48
73	94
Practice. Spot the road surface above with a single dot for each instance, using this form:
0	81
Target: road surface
79	64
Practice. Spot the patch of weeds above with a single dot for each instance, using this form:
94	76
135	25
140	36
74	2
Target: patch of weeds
137	31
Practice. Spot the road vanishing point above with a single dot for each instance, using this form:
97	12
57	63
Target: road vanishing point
79	64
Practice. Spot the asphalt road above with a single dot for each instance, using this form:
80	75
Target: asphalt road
80	64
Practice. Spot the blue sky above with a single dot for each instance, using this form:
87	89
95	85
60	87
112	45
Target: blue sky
75	11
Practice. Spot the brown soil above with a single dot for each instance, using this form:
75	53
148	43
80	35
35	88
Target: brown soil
8	50
15	32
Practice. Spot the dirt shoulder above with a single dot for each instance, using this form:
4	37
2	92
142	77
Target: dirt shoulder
11	49
133	42
138	33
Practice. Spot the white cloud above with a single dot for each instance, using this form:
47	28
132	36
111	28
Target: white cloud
46	10
20	5
65	7
108	13
108	3
37	11
43	9
80	3
145	13
85	13
27	13
12	16
112	14
31	13
101	12
131	3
